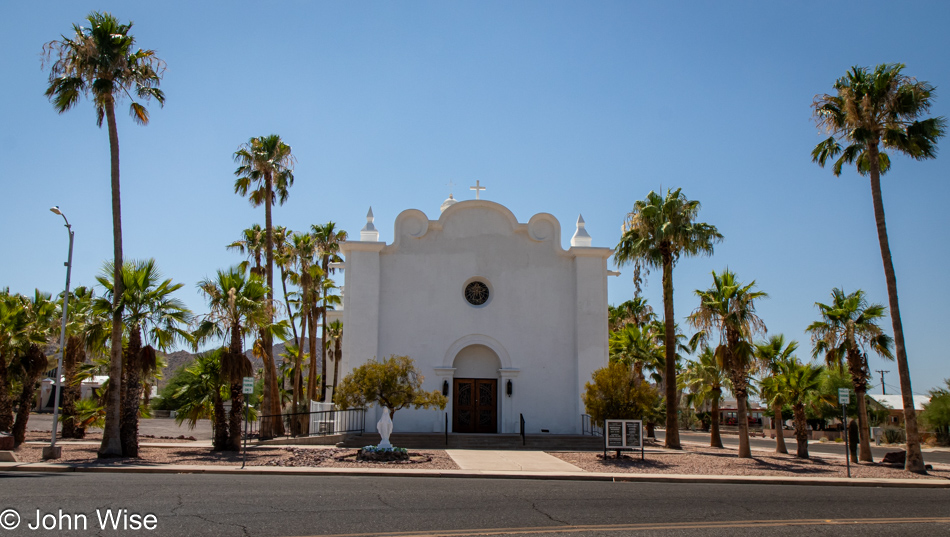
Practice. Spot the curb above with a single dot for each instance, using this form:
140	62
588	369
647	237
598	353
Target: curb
480	474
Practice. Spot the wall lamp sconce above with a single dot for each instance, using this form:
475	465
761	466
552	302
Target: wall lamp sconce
445	388
509	388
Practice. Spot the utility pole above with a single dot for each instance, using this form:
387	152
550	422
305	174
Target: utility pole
883	389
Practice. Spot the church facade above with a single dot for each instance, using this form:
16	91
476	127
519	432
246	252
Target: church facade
494	313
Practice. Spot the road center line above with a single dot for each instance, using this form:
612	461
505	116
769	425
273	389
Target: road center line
652	526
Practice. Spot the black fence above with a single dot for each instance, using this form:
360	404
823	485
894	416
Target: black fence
588	427
318	423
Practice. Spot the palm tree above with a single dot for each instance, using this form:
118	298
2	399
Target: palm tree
201	395
251	244
266	172
327	301
15	326
238	306
794	384
769	355
871	109
847	329
728	307
656	233
284	257
335	333
86	329
328	240
706	378
639	348
152	319
99	62
29	362
308	276
635	311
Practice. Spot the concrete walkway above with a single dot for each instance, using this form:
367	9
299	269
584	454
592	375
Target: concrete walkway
513	461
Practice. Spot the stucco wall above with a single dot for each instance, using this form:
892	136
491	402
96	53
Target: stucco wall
547	326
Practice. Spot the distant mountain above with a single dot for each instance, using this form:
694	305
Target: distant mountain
181	359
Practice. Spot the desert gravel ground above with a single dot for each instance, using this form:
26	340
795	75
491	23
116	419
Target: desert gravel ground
710	461
695	460
185	452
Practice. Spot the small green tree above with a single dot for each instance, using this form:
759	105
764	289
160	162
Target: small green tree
936	414
393	383
617	392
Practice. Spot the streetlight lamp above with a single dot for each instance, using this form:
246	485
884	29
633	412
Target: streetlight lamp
53	452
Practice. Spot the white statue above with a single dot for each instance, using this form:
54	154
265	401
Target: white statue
385	428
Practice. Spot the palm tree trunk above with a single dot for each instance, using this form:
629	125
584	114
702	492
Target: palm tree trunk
864	431
111	445
27	394
220	439
312	347
323	332
71	391
715	439
915	459
129	429
801	431
36	361
298	392
745	451
271	395
669	379
283	284
337	357
6	402
779	429
237	392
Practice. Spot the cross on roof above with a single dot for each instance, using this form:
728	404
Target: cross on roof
477	188
451	186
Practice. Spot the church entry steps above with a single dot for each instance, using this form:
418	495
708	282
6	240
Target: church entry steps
532	442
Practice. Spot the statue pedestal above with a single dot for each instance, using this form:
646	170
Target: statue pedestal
381	456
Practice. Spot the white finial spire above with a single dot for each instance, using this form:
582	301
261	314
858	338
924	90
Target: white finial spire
478	186
581	237
369	232
448	203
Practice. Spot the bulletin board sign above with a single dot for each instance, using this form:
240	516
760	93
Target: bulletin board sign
623	435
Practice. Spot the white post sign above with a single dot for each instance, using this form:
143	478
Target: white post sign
844	396
247	389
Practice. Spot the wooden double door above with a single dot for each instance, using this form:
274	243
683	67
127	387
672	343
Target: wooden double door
475	406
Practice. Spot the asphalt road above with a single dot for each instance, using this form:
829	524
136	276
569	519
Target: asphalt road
815	448
216	505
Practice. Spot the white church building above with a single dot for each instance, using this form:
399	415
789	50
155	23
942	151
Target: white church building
494	313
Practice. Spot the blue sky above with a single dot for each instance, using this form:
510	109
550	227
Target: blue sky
560	107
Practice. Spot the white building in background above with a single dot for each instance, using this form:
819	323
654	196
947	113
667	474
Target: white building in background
494	312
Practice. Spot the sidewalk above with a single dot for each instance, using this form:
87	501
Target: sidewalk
482	465
508	461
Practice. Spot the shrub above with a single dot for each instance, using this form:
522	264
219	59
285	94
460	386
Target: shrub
617	392
893	435
393	383
936	414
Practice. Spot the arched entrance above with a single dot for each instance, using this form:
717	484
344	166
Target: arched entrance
475	390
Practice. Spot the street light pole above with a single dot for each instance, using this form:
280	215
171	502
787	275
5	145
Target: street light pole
53	452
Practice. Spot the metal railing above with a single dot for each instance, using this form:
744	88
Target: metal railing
522	429
588	427
319	423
